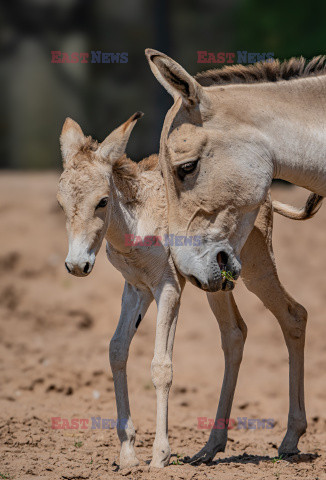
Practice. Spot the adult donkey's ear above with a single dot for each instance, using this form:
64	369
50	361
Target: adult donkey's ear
174	78
114	146
71	139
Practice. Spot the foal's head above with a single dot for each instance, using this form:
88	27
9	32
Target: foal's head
84	189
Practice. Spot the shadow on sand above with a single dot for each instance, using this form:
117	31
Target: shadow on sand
256	459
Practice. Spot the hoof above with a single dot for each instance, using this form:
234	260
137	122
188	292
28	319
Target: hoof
288	448
159	463
205	455
161	456
128	463
200	457
288	453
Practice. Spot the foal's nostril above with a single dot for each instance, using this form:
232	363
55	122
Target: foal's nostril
86	268
222	259
68	269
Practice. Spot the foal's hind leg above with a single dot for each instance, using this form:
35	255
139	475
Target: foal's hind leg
134	306
260	276
233	334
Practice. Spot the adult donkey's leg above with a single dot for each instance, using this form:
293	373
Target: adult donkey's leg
260	276
168	302
233	335
134	306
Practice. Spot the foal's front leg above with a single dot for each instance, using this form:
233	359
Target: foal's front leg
233	334
168	301
134	306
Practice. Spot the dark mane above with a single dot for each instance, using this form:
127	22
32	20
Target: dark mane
273	71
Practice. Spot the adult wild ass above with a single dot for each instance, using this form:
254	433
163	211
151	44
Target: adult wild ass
227	135
106	195
229	132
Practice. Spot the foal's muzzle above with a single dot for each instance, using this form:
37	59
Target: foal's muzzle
79	270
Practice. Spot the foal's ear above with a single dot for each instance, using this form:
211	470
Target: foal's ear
71	139
114	146
174	78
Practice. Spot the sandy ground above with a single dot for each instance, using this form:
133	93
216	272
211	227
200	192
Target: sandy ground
54	337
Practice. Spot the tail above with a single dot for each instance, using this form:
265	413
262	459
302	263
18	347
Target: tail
311	207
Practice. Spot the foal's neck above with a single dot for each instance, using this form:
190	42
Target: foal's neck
122	215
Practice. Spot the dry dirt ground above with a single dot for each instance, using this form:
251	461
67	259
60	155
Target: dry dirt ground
54	337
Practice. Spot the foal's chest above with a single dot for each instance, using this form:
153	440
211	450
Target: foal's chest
143	266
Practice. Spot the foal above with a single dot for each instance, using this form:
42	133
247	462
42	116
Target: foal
106	195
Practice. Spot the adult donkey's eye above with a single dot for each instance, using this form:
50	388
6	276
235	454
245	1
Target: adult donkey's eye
186	168
102	203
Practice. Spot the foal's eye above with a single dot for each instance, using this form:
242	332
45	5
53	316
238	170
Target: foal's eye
186	169
102	203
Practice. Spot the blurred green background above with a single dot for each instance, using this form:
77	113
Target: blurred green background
37	95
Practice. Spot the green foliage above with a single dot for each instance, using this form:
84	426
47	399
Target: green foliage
178	461
227	276
286	28
277	459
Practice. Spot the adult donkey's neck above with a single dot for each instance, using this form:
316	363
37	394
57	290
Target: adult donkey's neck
292	117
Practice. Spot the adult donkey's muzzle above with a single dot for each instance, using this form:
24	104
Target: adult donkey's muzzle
211	269
229	268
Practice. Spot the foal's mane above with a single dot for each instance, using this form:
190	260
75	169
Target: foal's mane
127	168
268	71
127	172
89	145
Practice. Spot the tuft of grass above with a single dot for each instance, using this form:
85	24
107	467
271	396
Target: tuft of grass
78	444
178	461
227	276
5	477
277	459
